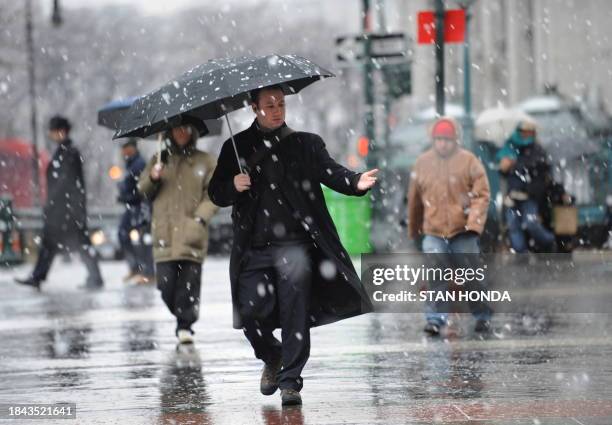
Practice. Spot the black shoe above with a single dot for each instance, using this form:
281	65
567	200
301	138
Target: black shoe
291	397
432	329
482	326
29	281
269	380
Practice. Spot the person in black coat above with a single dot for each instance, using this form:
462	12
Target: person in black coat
65	213
137	216
288	268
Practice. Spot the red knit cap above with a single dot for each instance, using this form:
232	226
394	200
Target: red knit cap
444	128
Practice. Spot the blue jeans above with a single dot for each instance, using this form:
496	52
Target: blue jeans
521	218
463	243
139	257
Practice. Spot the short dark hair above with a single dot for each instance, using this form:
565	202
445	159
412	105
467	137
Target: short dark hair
130	142
256	93
58	122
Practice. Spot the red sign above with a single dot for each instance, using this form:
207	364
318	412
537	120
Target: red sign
16	172
454	26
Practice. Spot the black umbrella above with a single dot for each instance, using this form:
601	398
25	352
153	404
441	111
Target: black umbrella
214	89
111	114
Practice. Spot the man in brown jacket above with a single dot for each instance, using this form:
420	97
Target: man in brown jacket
448	201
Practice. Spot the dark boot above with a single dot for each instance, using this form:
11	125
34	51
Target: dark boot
432	329
92	285
269	377
290	397
482	326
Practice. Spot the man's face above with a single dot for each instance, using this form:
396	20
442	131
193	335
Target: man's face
128	151
525	134
58	135
181	135
270	108
444	146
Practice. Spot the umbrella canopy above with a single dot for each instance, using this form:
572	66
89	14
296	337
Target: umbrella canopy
497	124
111	114
564	135
214	89
562	128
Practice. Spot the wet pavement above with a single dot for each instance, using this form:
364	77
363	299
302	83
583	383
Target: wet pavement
113	353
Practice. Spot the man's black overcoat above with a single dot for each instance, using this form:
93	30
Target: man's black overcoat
302	163
65	212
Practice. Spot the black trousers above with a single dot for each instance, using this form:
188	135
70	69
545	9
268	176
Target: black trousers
128	248
179	283
56	241
274	286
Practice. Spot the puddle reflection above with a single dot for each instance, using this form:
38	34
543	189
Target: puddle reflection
183	394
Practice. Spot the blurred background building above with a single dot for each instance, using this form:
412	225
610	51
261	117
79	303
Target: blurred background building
518	48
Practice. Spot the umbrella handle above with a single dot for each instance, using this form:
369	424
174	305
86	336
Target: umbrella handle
160	139
234	144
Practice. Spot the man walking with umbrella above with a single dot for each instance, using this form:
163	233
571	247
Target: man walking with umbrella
64	214
288	268
285	246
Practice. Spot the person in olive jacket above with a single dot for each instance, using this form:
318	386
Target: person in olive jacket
178	189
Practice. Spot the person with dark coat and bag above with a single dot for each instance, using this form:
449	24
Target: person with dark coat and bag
525	165
288	268
65	213
177	187
135	218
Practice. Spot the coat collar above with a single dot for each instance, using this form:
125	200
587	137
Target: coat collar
63	146
132	159
174	149
273	135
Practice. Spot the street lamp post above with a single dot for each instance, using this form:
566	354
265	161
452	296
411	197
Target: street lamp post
33	112
369	85
382	23
440	100
468	123
56	19
373	154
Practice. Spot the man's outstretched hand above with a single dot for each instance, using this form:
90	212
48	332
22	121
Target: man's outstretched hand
367	179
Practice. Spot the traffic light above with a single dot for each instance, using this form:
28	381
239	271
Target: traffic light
398	79
363	146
